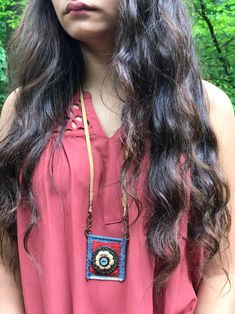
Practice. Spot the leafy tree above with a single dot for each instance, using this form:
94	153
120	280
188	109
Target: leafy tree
214	33
10	13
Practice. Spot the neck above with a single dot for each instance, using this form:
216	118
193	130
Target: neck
99	78
96	66
98	57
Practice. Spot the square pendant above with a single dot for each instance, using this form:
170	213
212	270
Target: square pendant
106	258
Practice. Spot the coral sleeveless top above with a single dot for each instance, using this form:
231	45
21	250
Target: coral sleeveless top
53	279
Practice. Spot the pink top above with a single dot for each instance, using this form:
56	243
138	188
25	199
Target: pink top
58	285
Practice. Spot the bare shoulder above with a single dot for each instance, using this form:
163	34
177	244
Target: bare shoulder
8	105
218	99
222	119
7	112
221	111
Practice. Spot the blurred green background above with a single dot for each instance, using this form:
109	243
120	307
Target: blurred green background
213	30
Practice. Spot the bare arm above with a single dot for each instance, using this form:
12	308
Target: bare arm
215	295
11	300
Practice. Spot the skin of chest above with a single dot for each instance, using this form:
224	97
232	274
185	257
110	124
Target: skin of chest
108	112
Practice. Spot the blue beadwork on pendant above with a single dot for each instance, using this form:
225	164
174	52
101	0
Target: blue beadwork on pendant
106	258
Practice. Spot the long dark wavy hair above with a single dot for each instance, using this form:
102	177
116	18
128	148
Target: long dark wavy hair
155	64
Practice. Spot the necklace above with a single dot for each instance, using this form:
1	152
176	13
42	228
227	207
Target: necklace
106	256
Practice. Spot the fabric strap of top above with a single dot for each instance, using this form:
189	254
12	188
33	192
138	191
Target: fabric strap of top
91	191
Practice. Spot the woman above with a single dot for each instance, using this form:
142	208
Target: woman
117	165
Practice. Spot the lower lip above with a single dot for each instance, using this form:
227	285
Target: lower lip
80	12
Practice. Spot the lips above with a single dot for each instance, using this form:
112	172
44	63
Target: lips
76	6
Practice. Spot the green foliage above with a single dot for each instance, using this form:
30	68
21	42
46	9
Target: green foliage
10	14
214	33
213	30
3	78
2	64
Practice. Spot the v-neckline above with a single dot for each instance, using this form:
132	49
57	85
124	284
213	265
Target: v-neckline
87	96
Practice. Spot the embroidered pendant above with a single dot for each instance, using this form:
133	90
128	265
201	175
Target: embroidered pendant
106	258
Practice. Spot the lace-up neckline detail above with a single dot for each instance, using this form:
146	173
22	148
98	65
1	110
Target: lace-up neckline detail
75	120
75	126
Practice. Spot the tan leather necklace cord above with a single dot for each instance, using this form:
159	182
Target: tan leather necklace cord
91	190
